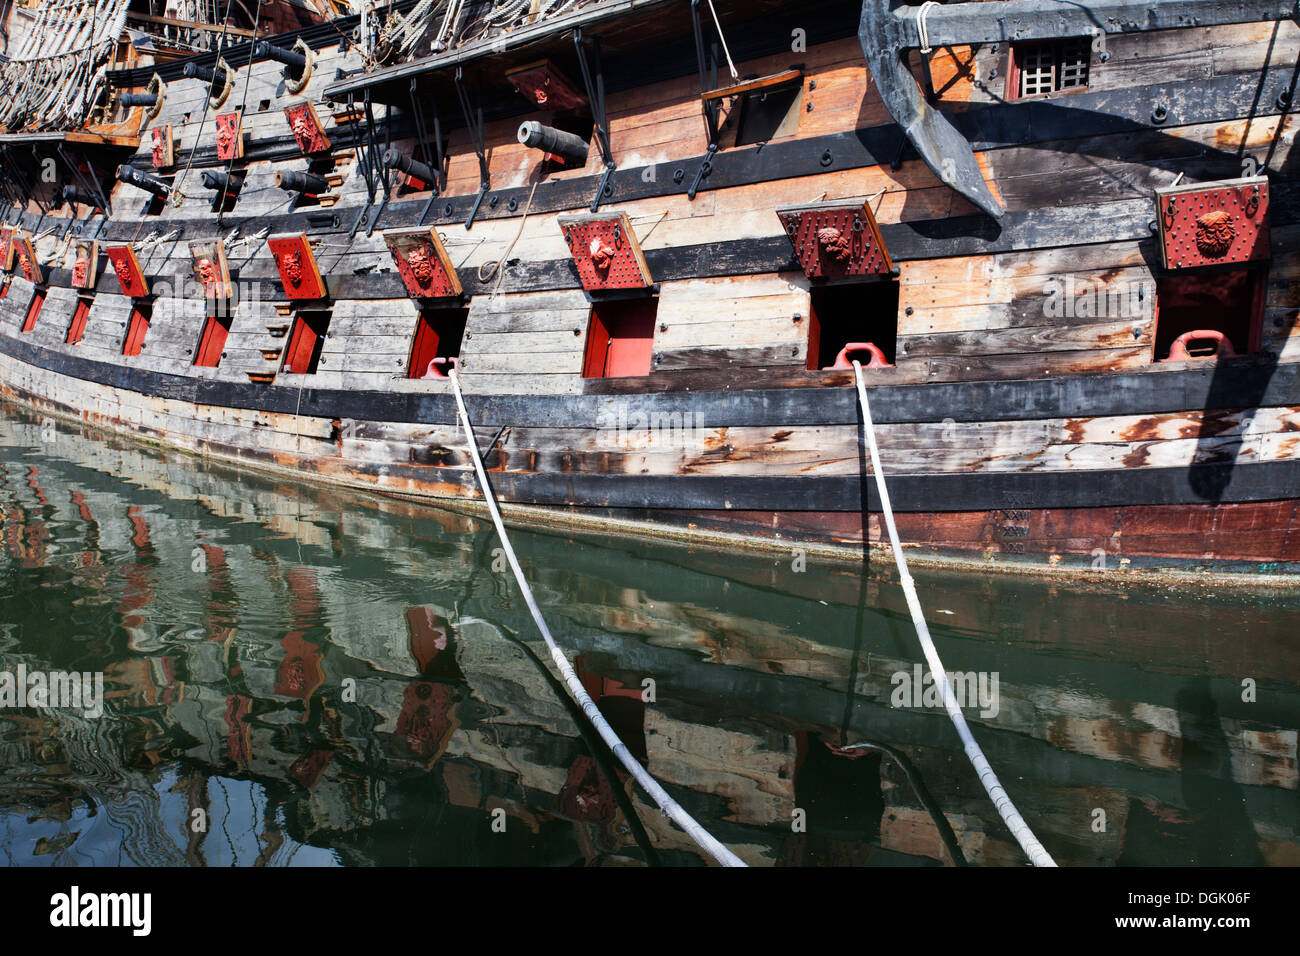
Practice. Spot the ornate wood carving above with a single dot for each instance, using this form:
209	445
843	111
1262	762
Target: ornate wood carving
164	147
85	263
423	264
306	128
211	271
230	136
1205	224
836	239
129	274
606	252
297	266
542	84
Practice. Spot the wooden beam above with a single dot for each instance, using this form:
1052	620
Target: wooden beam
190	25
998	21
748	86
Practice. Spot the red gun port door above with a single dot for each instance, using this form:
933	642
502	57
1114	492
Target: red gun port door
212	341
620	340
133	344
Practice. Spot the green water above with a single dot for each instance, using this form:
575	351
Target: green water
297	676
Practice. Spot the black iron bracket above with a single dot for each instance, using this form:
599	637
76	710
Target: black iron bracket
91	184
437	162
600	121
708	68
474	123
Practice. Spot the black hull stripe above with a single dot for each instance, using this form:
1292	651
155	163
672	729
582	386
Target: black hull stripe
965	491
1244	384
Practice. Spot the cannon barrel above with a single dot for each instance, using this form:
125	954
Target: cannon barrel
139	99
195	71
288	57
78	195
133	177
309	184
229	183
413	167
573	149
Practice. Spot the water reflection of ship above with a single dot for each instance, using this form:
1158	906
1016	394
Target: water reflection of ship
303	591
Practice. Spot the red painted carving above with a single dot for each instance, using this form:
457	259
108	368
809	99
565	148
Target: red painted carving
6	248
836	239
834	243
1214	233
291	268
208	274
26	260
297	267
1214	223
307	129
605	252
129	275
425	271
79	272
229	136
602	254
546	86
160	151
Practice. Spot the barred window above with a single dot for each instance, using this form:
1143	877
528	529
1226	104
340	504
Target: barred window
1050	67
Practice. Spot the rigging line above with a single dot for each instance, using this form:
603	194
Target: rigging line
670	807
498	267
727	53
243	104
177	194
1001	800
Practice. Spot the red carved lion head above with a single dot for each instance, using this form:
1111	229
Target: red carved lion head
1214	233
833	243
420	261
291	267
79	269
207	272
602	254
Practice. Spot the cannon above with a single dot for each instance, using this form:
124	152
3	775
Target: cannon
569	147
150	184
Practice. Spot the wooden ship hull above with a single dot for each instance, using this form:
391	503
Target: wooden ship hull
652	236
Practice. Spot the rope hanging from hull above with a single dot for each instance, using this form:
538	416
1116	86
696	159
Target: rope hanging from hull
1001	800
671	807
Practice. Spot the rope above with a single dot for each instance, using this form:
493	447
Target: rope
666	803
921	28
498	269
1006	809
731	66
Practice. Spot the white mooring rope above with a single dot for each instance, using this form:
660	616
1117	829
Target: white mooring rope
1006	809
666	803
922	28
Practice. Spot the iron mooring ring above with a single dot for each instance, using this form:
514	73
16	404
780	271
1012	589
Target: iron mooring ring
1159	114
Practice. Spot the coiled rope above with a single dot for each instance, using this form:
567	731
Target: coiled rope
667	804
1006	809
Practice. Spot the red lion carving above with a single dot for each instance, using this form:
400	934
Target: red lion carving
834	243
207	272
225	137
79	269
420	261
159	148
602	254
1214	233
25	263
291	267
